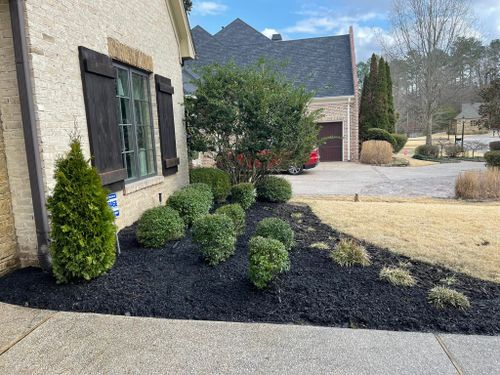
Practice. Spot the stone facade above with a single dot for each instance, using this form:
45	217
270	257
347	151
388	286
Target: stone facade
55	29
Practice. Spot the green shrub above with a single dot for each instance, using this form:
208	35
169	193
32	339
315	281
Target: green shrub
377	134
397	276
218	180
237	215
204	189
495	146
159	225
244	194
453	150
274	189
216	236
492	158
349	253
442	297
267	259
428	151
191	203
277	229
400	142
82	224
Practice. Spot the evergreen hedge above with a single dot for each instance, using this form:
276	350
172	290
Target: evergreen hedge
216	236
191	203
244	194
218	180
236	213
274	189
377	134
492	158
400	142
278	229
159	225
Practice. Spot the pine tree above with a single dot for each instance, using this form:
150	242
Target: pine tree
380	117
82	224
366	117
390	101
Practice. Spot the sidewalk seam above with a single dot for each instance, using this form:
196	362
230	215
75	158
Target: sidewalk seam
452	359
22	337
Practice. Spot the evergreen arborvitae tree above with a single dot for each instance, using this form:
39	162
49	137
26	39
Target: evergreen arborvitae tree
391	115
380	110
82	225
366	116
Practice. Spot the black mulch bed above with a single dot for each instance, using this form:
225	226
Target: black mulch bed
175	283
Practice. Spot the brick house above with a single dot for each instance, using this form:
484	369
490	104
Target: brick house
326	66
468	118
112	71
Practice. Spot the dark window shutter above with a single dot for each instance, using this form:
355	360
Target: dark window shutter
98	76
164	92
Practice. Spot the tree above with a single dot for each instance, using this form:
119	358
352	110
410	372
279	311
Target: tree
490	109
424	31
366	110
251	118
391	115
82	225
380	105
188	5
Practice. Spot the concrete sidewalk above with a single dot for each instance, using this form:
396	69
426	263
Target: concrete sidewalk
44	342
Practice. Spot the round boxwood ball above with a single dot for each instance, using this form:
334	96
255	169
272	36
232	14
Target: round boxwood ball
159	225
274	189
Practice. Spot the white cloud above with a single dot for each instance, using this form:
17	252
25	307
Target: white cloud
269	32
208	8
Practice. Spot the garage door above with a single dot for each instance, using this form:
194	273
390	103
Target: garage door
332	149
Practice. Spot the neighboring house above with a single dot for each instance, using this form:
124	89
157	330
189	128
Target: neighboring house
111	70
468	118
326	66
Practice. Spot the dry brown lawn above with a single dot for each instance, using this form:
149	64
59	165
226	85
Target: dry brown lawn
462	236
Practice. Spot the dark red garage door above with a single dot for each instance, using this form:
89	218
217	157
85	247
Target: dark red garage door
332	149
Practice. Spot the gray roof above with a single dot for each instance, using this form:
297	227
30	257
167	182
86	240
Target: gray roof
322	65
469	111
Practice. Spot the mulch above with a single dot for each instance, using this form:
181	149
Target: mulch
175	282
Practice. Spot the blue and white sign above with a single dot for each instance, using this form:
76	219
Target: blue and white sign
113	203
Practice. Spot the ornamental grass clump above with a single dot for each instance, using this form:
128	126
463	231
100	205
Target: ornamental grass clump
216	237
397	276
478	184
442	297
191	203
277	229
82	224
274	189
159	225
376	152
244	194
348	253
218	180
267	259
236	213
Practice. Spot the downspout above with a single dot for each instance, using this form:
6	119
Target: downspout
30	132
349	129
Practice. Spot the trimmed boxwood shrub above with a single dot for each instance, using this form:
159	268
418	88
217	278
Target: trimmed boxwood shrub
216	236
236	213
278	229
428	151
218	180
204	189
159	225
495	146
244	194
377	134
267	259
274	189
492	158
191	203
401	140
82	224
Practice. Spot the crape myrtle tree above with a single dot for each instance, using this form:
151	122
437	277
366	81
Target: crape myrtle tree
251	118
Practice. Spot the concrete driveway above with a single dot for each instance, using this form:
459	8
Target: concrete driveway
344	178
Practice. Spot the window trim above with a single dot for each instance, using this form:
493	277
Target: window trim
147	75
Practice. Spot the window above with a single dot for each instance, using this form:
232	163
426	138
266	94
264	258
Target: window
135	122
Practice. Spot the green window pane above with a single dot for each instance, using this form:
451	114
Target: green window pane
142	112
146	162
122	84
140	86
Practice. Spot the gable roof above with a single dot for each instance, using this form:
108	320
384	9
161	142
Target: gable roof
469	111
323	65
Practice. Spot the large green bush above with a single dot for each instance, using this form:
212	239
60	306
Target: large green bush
427	151
274	189
495	146
376	134
218	180
204	189
277	229
237	215
492	158
82	225
159	225
267	259
216	236
401	140
191	203
244	194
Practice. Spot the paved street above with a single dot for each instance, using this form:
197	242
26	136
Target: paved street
343	178
42	342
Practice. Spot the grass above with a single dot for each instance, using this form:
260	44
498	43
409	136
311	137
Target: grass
397	276
348	253
462	236
478	184
320	246
442	297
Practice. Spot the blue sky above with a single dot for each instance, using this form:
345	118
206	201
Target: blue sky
296	19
